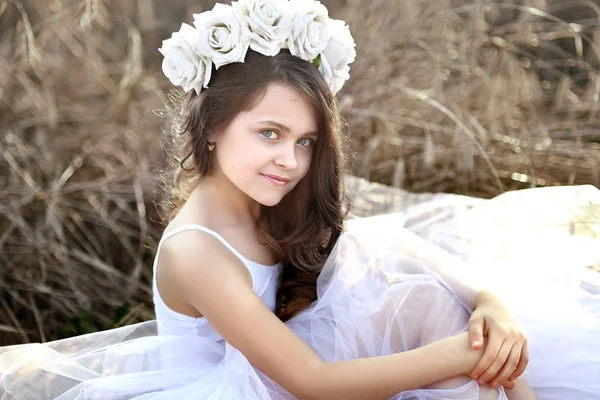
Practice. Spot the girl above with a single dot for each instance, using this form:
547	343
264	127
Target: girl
258	294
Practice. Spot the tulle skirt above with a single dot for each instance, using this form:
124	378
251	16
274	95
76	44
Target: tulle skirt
375	297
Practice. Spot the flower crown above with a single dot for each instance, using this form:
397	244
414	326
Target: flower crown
223	36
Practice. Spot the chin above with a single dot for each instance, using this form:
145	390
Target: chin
268	199
269	202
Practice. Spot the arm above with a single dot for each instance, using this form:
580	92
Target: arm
218	286
385	376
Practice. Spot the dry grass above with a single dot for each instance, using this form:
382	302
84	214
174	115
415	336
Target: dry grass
473	97
476	97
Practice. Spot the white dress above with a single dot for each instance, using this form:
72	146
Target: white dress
383	290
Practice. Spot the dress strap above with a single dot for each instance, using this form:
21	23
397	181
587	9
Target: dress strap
206	230
259	272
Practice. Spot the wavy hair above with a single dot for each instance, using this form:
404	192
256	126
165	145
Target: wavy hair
305	225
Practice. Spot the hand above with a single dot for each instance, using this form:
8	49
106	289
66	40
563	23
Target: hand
464	352
506	354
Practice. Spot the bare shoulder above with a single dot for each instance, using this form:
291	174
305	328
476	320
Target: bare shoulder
188	261
197	252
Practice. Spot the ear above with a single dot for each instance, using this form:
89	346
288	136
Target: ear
212	138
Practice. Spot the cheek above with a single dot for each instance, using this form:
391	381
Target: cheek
305	161
236	155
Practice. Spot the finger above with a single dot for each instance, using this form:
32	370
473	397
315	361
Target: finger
522	362
507	385
500	360
497	364
509	367
491	352
476	332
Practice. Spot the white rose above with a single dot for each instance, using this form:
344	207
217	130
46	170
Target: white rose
339	78
335	78
224	35
337	55
269	21
340	50
183	65
309	31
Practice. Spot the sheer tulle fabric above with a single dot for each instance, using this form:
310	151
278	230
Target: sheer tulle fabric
374	299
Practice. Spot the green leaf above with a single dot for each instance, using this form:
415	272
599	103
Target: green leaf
317	61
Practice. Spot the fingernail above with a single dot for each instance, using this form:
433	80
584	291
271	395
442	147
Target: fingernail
476	343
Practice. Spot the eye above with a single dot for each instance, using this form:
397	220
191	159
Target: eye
269	134
305	142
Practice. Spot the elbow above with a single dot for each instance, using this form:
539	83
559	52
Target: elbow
314	385
310	395
306	396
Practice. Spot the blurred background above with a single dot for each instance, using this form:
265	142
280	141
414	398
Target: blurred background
473	97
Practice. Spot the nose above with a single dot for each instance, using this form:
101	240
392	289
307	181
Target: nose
286	157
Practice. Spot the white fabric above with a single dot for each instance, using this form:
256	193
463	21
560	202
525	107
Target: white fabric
265	280
375	297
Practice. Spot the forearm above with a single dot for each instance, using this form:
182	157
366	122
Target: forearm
385	376
448	268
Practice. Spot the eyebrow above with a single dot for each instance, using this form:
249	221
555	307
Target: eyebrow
286	129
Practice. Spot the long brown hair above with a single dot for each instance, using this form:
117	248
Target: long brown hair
305	225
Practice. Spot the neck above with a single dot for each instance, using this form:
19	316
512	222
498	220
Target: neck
228	197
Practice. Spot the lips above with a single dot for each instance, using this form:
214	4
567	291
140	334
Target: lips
276	179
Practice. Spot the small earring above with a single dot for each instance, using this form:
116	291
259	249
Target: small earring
211	146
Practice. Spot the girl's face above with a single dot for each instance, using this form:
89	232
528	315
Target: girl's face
266	151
